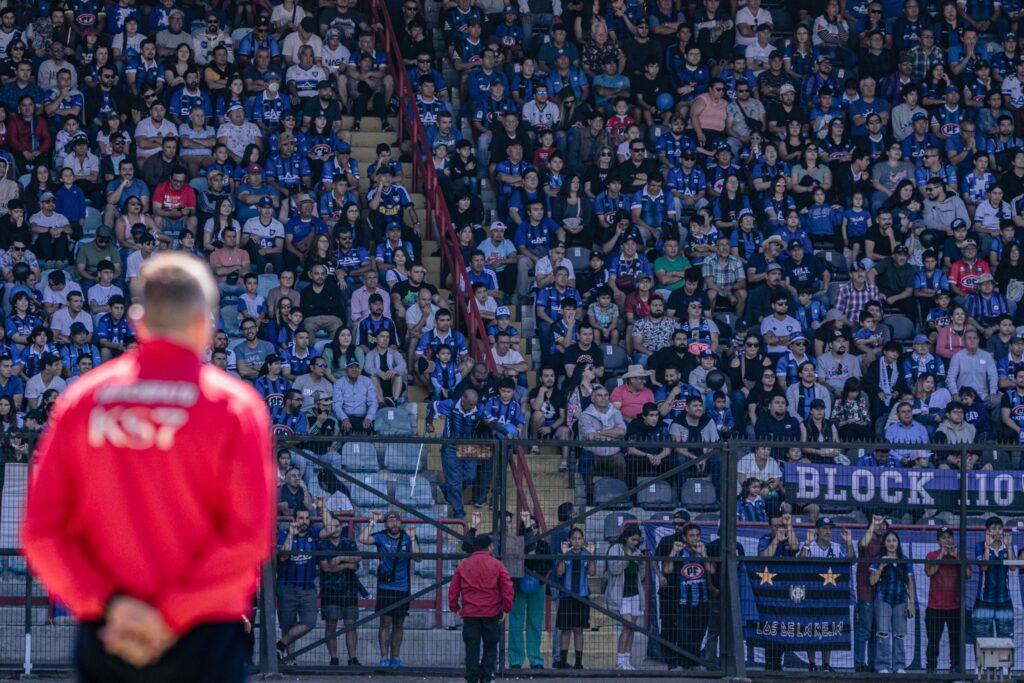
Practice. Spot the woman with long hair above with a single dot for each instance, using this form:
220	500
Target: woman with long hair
277	319
777	203
351	219
339	352
759	398
577	392
949	29
851	413
951	337
10	421
271	383
935	84
251	155
133	215
624	591
322	253
223	217
177	65
819	429
320	140
893	581
836	145
727	206
596	179
572	572
800	55
1010	268
233	94
40	182
906	205
929	402
791	146
702	331
111	129
400	272
573	210
810	174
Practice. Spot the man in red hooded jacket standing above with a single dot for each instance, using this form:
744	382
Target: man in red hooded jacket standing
151	502
485	588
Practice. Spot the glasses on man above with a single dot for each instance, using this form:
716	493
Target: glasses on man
320	365
19	249
752	344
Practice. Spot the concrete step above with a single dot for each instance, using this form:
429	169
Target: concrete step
369	124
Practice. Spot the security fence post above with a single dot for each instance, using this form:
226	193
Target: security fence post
499	504
27	665
268	622
732	650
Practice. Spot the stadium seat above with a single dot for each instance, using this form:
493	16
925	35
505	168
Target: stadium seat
615	359
358	456
656	495
614	522
393	422
93	220
25	180
836	263
832	294
660	517
320	345
699	494
404	457
902	326
364	498
612	382
238	34
266	283
613	491
420	495
200	185
579	257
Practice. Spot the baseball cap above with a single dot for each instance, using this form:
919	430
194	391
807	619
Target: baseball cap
786	87
797	338
497	80
254	168
969	242
271	76
901	249
921	339
943	530
502	312
793	244
1016	339
393	225
856	265
681	514
105	231
597	253
817	403
824	58
985	277
643	276
302	197
958	223
343	147
45	196
265	201
352	362
263	21
836	334
235	105
919	116
950	89
773	266
214	172
707	353
323	84
823	521
498	225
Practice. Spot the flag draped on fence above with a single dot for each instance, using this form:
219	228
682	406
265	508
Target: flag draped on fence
800	605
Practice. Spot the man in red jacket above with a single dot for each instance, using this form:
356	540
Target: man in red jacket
486	591
28	136
152	500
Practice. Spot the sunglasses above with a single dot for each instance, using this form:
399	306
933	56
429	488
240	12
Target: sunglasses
17	248
752	345
320	365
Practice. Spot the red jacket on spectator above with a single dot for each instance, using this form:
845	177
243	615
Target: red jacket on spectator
484	585
153	480
19	135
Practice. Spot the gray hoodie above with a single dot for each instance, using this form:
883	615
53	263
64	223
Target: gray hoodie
940	215
965	433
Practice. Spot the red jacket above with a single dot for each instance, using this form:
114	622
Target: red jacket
155	480
19	134
484	584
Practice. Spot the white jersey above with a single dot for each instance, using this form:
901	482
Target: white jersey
336	59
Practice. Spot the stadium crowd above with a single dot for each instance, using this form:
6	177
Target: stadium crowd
720	219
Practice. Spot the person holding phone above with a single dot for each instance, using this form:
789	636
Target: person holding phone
573	570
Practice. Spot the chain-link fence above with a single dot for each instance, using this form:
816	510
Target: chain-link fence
853	560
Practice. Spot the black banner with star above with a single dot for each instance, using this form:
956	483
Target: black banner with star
803	605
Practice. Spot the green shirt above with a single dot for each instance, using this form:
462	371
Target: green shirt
679	265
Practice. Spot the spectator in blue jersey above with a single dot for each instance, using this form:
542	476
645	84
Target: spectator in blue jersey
689	568
288	419
463	418
296	578
355	400
895	603
993	608
398	547
340	588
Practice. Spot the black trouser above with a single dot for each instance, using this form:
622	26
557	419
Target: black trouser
668	612
209	653
693	624
477	630
935	621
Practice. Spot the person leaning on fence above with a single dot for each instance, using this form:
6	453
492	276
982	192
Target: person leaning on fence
993	607
690	569
624	589
572	571
481	593
528	604
943	609
296	579
894	604
462	419
394	581
340	588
